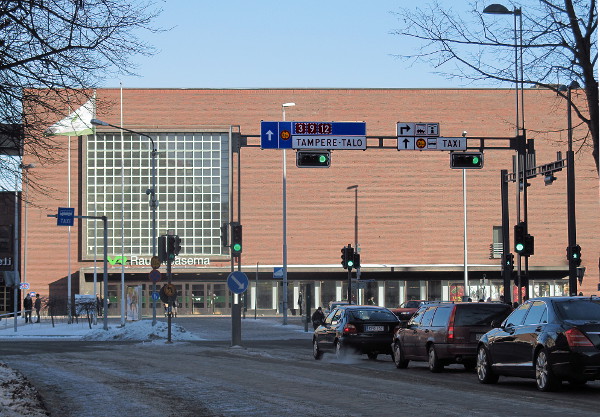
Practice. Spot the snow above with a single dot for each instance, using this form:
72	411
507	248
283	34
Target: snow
19	398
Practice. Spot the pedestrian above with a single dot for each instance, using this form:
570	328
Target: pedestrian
318	318
27	306
99	304
37	305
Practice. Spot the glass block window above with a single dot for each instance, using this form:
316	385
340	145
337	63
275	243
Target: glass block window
192	188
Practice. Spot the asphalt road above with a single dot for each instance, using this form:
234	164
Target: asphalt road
276	377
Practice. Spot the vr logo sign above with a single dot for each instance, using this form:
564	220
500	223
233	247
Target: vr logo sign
117	260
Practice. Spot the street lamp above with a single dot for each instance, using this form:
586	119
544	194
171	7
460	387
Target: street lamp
153	205
571	224
284	249
520	164
26	168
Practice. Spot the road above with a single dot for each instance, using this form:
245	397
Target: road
266	378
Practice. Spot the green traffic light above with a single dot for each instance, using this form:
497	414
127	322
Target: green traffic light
350	263
322	159
237	247
575	256
519	247
475	160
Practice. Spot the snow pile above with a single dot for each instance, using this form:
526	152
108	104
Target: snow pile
140	331
17	396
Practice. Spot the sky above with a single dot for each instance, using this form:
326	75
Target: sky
281	44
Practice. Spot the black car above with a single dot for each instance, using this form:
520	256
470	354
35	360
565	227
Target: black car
551	339
352	328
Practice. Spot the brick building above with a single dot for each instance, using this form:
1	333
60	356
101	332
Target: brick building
409	203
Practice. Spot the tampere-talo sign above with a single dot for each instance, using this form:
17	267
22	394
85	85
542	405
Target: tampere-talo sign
313	135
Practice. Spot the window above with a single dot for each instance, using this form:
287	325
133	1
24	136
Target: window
427	316
537	313
416	319
497	246
179	189
516	318
442	315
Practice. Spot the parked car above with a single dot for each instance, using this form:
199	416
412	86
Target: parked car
333	304
446	333
352	328
550	339
406	310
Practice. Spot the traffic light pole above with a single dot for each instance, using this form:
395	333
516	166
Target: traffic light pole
571	224
506	270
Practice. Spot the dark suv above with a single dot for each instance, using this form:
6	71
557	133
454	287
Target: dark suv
446	333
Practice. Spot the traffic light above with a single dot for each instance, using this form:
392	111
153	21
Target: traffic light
224	237
236	239
466	160
528	245
162	248
313	159
356	260
508	261
348	257
574	254
173	246
520	238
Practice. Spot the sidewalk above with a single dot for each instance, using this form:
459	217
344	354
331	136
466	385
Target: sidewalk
217	328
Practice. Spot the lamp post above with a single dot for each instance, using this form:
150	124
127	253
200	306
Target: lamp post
153	204
571	224
284	249
521	157
26	168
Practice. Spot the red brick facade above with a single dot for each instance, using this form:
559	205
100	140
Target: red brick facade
410	203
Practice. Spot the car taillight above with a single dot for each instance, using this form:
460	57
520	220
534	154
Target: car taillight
349	329
576	338
451	326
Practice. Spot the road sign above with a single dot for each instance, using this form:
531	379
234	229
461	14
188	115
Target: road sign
411	129
24	285
237	282
277	272
313	135
155	295
154	275
155	262
432	144
65	216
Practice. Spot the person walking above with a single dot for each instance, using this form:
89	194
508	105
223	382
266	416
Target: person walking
318	318
27	306
37	305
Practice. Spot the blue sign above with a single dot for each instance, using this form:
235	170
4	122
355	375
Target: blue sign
237	282
155	295
277	272
65	216
313	135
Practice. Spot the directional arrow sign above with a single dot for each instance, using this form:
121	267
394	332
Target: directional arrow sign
237	282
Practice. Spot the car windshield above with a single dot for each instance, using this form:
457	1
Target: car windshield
480	314
579	309
411	304
372	315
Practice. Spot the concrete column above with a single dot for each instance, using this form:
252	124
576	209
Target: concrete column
338	290
445	290
275	300
317	298
401	291
423	290
381	293
252	294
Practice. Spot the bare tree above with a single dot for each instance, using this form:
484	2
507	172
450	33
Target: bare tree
52	55
559	45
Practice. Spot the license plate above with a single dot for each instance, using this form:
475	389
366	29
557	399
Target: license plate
374	328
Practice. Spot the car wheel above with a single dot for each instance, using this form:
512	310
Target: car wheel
317	354
372	355
544	377
340	350
399	360
434	363
485	375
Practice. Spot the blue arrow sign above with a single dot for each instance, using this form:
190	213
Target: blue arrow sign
65	216
313	135
237	282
